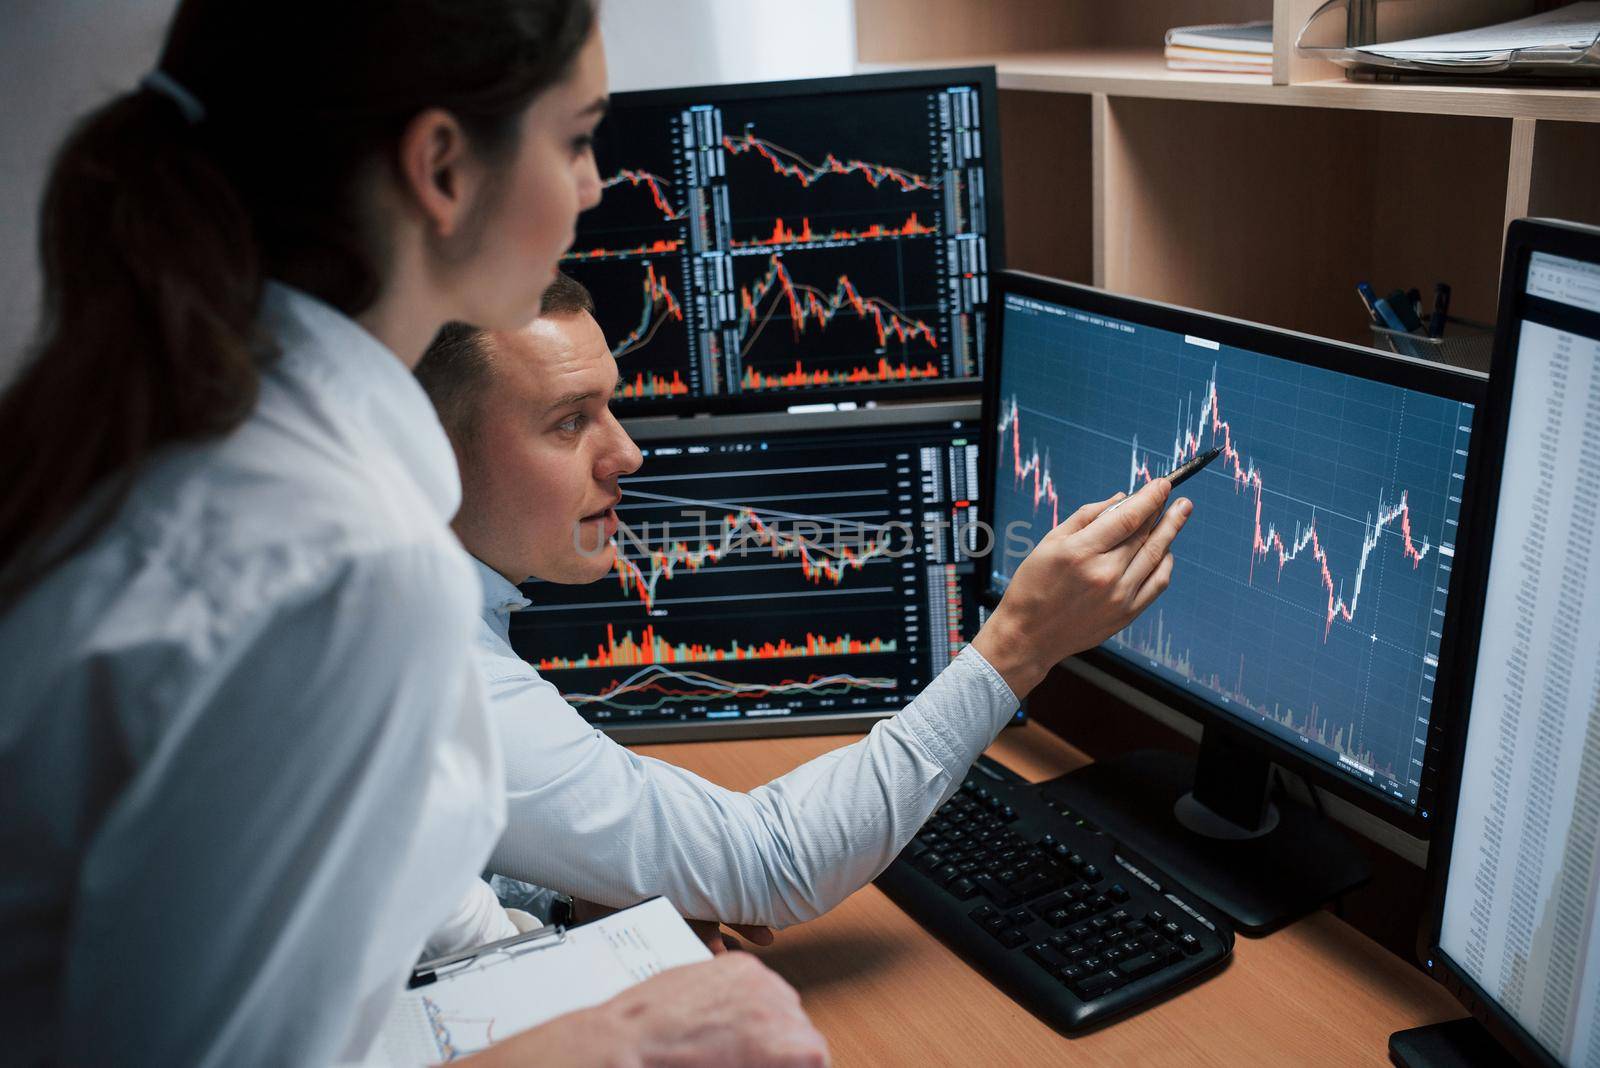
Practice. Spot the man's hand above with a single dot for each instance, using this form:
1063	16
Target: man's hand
727	1012
1087	579
710	932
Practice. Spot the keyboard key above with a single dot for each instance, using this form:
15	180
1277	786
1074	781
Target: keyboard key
1080	911
994	924
1172	931
1094	985
946	875
928	861
1155	919
1120	918
1008	813
1046	955
1019	917
1091	873
1099	903
1081	931
964	889
1093	963
1134	966
1011	938
1189	944
1113	955
1117	892
983	912
1100	924
1058	918
994	891
1033	886
1095	943
1080	891
1076	860
1062	942
1050	903
1130	949
1071	973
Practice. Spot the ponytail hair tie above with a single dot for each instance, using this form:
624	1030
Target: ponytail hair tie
159	81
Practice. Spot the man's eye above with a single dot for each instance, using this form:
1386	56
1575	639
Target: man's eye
571	425
582	144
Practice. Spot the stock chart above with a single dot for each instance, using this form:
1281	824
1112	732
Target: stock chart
1311	579
779	575
784	244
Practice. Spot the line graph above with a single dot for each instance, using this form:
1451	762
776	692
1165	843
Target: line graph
807	303
659	305
655	687
1312	576
657	186
791	164
1035	467
739	529
659	247
642	385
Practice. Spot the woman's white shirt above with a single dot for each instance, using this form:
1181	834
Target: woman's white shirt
245	762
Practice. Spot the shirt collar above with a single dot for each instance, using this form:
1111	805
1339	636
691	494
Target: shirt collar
355	370
500	596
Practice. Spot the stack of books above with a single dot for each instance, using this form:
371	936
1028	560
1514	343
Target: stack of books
1229	48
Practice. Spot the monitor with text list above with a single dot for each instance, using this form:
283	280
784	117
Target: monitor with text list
1515	925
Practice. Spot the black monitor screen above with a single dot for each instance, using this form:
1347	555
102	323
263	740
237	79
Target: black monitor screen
1519	915
785	242
765	576
1310	583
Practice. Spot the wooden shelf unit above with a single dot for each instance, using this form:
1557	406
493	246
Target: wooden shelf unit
1266	198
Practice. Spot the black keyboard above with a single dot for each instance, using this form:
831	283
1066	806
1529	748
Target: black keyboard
1056	913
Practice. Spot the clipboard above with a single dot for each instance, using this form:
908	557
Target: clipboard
466	1002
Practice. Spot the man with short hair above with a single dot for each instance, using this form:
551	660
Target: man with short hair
541	456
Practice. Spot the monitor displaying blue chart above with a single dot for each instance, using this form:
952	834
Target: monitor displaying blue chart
1310	583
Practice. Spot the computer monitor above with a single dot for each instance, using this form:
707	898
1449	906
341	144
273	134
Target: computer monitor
768	244
1514	924
777	574
1304	619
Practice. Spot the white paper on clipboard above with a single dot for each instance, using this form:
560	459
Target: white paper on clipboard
480	1003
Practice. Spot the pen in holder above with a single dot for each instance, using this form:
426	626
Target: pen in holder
1465	343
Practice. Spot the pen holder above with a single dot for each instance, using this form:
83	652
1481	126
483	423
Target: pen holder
1465	344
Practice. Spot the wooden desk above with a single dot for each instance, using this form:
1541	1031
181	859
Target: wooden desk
884	991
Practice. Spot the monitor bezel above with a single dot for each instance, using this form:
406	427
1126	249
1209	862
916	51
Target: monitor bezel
1525	237
842	85
922	416
1451	383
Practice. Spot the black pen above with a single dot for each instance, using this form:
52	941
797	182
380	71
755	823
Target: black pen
1182	473
1188	469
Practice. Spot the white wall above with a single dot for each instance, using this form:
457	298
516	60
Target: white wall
652	44
60	58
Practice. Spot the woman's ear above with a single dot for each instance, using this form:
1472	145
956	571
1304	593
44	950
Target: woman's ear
436	171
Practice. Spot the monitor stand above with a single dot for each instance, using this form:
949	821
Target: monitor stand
1211	824
1453	1044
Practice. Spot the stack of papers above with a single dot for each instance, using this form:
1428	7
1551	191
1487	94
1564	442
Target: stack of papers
1229	48
1570	29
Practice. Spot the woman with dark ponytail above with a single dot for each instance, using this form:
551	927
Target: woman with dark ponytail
245	766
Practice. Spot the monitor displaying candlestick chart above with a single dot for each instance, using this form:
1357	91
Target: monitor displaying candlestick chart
1311	580
778	581
759	245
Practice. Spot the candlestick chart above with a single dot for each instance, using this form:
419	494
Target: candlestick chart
1310	581
813	241
786	575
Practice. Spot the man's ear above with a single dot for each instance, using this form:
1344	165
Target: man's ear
436	171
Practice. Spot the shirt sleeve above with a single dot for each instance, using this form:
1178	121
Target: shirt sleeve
478	918
266	882
593	819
